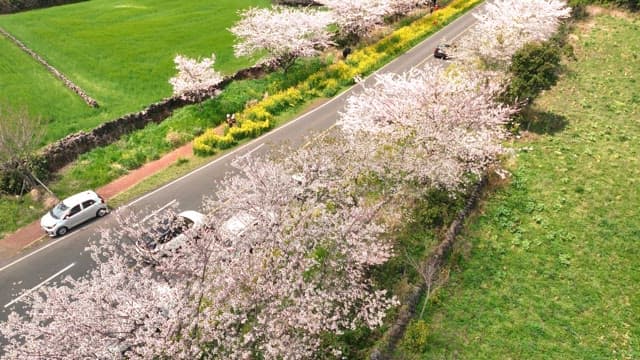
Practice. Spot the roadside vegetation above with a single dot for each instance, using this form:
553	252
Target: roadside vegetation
316	268
548	267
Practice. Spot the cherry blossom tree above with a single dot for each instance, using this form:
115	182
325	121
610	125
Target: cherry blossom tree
356	18
429	126
284	33
310	244
504	26
194	76
121	308
403	7
296	267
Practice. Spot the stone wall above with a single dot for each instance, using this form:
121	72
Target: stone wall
68	83
68	149
435	261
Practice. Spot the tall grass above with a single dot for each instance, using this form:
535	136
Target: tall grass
120	53
550	268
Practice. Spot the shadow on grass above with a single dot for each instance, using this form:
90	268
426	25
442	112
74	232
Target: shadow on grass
542	122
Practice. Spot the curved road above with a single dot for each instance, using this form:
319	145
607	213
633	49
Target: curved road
66	256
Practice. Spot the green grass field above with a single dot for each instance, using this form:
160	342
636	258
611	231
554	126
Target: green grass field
120	52
24	81
550	268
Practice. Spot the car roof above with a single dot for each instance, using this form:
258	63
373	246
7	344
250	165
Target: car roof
194	216
80	197
238	223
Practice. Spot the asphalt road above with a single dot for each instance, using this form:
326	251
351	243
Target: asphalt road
66	256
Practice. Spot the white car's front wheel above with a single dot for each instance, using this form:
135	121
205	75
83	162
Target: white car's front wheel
63	230
101	212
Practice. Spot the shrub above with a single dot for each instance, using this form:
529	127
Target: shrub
534	68
330	87
174	138
225	142
132	159
257	113
416	336
205	143
281	101
249	128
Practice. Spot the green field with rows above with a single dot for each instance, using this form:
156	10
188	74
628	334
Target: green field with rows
120	52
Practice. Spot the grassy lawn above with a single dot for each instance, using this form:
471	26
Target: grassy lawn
120	53
550	268
24	81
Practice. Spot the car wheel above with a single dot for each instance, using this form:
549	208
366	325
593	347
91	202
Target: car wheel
101	212
63	230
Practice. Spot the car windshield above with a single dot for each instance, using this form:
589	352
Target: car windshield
58	211
165	231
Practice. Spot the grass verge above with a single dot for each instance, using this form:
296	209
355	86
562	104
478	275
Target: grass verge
548	270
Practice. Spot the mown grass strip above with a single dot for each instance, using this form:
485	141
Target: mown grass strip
549	269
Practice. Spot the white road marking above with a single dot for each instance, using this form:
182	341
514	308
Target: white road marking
157	211
251	151
39	285
32	253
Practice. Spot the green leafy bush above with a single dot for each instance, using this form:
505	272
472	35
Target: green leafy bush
416	336
205	144
534	68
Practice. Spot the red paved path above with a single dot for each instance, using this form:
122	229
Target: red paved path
14	243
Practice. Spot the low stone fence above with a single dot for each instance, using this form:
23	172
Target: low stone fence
13	6
433	262
66	150
68	83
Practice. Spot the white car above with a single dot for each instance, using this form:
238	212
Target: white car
72	212
169	234
238	224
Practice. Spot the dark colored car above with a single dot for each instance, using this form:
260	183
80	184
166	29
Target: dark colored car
441	52
168	233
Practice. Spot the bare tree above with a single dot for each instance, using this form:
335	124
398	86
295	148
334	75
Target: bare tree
20	136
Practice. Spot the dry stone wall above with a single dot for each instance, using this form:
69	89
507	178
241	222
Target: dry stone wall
69	148
435	261
68	83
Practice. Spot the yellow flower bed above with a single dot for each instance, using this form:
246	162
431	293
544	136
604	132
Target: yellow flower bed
257	119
